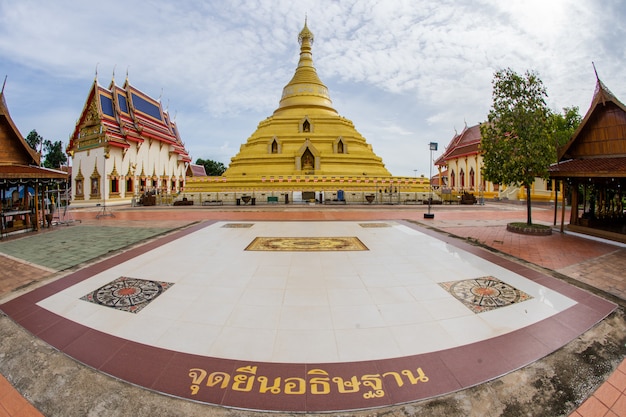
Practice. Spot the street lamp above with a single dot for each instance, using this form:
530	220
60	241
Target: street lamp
105	212
433	147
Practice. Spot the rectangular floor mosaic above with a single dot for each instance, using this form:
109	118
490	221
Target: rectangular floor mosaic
374	225
127	294
485	293
238	225
306	244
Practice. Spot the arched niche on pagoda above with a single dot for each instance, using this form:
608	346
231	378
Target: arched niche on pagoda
274	146
340	146
305	125
307	158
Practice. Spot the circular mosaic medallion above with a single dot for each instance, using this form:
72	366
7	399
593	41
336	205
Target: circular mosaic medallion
128	294
486	293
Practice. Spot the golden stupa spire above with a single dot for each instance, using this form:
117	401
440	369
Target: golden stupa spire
305	88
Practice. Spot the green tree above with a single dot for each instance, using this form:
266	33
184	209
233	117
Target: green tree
564	125
34	140
213	168
55	157
517	140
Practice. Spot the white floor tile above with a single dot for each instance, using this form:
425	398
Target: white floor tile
306	306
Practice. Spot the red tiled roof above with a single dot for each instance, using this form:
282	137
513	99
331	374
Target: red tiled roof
30	172
590	167
465	143
197	170
134	125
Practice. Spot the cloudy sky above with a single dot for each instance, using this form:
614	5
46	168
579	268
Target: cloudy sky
406	72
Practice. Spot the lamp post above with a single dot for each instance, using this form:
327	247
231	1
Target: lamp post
105	212
433	147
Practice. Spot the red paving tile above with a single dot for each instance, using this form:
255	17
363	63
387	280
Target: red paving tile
593	408
12	404
607	394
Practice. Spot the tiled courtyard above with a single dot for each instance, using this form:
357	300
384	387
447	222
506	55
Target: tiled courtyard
404	264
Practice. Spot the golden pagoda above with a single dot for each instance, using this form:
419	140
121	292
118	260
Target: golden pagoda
307	148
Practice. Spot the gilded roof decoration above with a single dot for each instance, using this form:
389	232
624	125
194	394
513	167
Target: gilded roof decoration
124	115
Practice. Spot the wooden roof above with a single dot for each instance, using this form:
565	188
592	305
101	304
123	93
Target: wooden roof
13	149
598	147
18	161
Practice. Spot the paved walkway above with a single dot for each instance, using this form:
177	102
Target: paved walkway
595	263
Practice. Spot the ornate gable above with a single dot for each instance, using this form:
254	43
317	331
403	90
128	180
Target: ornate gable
602	132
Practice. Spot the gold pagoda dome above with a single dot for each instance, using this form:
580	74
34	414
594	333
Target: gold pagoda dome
305	138
305	88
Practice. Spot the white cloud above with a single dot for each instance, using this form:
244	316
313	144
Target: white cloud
406	72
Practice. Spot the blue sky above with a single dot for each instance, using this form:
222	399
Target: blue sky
405	72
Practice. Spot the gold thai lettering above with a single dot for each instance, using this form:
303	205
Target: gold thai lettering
347	386
374	382
217	378
295	386
244	382
265	387
245	379
319	384
197	376
421	377
396	376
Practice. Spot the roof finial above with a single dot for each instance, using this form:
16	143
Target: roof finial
595	71
113	76
3	84
305	36
96	78
127	73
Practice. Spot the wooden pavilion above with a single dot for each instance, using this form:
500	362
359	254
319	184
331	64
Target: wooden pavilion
20	172
593	164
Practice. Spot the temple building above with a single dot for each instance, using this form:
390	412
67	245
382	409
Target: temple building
305	150
124	145
460	166
593	164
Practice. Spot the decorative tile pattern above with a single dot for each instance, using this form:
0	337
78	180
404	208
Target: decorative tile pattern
373	225
127	294
238	225
485	293
306	244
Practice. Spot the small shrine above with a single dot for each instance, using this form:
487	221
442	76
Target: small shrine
593	165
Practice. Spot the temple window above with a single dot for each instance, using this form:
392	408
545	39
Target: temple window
129	184
95	187
453	179
274	146
115	186
340	147
462	178
306	126
79	188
